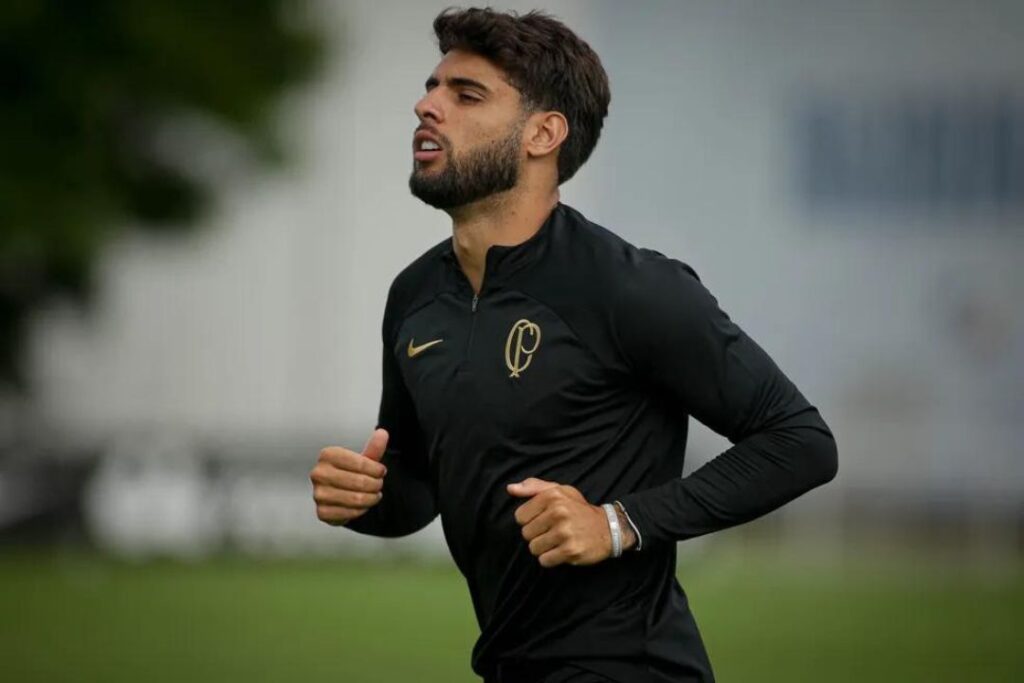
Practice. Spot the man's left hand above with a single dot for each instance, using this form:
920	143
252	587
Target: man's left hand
561	526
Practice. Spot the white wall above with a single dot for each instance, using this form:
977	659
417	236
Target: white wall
268	322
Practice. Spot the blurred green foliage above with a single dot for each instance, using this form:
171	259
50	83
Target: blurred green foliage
85	618
89	90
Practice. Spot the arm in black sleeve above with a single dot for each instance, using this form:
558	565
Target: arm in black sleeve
678	341
409	501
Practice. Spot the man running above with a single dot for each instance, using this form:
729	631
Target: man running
538	376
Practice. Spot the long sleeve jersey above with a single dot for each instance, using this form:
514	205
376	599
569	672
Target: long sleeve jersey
580	361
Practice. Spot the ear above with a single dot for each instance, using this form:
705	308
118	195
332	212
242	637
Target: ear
545	132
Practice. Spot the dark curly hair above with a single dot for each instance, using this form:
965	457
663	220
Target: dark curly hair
551	67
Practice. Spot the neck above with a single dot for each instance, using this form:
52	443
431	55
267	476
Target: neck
508	218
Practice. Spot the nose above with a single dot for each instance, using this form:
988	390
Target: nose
429	108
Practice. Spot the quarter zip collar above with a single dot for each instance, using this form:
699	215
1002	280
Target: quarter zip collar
502	261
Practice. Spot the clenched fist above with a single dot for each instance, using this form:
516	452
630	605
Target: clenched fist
346	484
561	526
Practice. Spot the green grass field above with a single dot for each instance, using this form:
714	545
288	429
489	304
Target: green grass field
83	618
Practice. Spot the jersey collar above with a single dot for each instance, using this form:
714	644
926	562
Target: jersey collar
504	260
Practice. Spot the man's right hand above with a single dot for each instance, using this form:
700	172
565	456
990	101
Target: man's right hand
346	484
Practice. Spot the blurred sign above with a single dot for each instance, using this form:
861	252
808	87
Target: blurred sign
909	151
166	494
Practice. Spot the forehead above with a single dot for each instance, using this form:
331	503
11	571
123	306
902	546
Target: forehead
463	64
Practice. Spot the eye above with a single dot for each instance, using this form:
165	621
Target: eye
466	97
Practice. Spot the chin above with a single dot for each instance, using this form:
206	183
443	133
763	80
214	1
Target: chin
426	169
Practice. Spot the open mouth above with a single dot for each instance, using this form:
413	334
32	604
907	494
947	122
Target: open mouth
425	147
427	150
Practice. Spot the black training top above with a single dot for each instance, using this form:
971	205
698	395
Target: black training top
580	362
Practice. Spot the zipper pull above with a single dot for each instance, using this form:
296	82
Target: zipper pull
476	297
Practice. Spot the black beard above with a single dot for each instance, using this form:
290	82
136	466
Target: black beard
483	172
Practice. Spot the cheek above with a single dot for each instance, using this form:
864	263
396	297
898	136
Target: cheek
474	132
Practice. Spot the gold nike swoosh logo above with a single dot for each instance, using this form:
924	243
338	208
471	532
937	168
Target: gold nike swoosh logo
417	350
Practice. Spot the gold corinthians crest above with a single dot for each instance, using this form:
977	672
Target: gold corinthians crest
519	353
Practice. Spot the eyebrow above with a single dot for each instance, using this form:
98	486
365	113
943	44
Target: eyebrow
458	81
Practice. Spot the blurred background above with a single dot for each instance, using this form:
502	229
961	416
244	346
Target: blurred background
202	206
